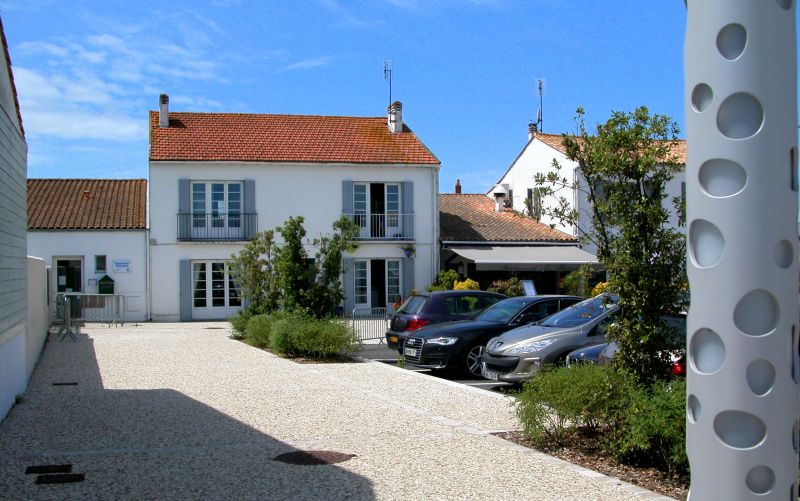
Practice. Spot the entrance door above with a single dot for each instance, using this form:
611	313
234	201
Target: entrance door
376	282
215	295
68	275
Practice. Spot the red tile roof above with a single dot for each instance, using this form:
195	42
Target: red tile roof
554	141
87	204
472	218
283	138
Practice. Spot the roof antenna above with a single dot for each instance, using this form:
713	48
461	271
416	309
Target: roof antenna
540	87
387	75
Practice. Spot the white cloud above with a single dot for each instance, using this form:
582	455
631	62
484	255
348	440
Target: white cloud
305	64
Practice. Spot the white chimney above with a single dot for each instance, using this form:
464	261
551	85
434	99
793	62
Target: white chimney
499	197
163	111
396	117
532	130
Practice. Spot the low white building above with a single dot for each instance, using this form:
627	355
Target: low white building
218	178
87	229
537	156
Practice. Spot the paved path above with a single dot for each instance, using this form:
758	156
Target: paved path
179	411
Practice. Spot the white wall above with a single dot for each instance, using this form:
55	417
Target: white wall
38	312
115	245
313	191
537	157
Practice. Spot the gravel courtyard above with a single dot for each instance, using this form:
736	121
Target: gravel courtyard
180	411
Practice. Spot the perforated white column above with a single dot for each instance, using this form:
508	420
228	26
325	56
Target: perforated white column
741	121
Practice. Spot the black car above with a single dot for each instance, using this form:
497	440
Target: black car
458	345
426	308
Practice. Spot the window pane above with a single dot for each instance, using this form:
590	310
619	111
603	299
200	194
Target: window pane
100	264
218	284
199	284
360	204
360	272
392	282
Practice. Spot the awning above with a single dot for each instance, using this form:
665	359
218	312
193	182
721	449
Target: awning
552	257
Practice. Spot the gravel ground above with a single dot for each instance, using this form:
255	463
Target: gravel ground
179	411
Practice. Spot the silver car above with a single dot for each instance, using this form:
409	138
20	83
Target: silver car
518	354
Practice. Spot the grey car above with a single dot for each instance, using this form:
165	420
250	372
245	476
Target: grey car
518	354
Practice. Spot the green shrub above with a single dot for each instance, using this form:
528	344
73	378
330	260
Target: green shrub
239	324
511	287
300	335
467	285
655	426
259	329
445	280
558	401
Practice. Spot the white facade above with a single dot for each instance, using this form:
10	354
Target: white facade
537	157
126	262
275	191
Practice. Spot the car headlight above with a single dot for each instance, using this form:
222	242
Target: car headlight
532	347
442	341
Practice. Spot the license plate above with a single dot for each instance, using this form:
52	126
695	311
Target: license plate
411	352
494	376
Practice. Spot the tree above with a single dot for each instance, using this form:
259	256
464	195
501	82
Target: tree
622	170
253	270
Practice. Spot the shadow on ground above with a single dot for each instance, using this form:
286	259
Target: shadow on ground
145	443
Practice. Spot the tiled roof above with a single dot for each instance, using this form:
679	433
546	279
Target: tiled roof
554	141
87	204
472	218
284	138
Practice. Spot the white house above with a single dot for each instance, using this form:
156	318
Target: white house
14	327
217	178
87	229
537	156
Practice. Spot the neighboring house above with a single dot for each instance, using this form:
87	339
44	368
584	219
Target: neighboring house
537	157
87	229
14	329
218	178
484	241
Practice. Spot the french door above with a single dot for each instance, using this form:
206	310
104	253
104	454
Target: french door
376	282
217	209
376	209
215	294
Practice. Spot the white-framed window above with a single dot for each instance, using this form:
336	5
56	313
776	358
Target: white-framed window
393	281
377	283
360	204
213	285
216	204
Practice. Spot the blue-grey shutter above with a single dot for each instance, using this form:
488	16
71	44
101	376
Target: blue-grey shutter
349	286
408	275
249	209
186	289
184	207
347	197
407	207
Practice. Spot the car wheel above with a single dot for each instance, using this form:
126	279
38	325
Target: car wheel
473	360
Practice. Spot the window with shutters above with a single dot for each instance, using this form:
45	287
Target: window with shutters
215	212
378	210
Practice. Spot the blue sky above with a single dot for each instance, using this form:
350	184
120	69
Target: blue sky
465	70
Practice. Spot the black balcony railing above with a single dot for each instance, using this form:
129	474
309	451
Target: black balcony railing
217	226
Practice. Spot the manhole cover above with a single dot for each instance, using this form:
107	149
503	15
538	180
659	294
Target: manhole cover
314	457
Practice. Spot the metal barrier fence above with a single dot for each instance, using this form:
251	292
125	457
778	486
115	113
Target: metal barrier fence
104	308
370	323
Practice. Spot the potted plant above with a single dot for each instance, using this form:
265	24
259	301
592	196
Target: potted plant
409	250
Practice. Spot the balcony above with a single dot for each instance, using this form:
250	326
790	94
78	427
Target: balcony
384	226
216	226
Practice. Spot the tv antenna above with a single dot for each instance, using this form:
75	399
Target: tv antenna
540	88
387	75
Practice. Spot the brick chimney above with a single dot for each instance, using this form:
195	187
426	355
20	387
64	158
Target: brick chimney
458	186
163	111
396	117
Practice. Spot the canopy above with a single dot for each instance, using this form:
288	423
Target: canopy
551	257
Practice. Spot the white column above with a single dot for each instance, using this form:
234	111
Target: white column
741	121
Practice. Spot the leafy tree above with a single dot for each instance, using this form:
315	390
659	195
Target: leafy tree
293	266
623	170
327	292
578	282
445	281
253	270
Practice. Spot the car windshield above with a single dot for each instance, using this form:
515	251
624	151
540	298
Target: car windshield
579	314
412	306
501	312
